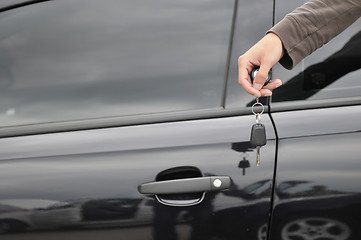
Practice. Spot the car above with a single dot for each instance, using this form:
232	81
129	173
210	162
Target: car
125	120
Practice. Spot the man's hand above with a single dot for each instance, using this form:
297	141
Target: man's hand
266	53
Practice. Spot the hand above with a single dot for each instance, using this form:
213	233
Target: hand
266	53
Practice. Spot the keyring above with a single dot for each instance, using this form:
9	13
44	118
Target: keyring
257	103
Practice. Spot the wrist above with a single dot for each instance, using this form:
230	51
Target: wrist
277	42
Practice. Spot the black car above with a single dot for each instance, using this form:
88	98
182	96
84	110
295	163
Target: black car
125	120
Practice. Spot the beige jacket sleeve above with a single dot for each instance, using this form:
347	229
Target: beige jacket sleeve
310	26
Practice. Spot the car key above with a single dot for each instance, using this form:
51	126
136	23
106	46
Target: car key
254	73
258	132
258	138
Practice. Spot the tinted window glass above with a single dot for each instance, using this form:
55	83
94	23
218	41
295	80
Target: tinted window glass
331	72
248	30
68	60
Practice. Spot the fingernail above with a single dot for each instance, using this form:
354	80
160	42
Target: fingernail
279	85
257	86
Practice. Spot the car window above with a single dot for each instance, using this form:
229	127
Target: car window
331	72
71	60
247	31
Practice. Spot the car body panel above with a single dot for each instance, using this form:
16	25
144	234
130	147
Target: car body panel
322	181
316	112
95	174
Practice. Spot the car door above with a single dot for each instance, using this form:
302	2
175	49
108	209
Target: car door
316	112
115	122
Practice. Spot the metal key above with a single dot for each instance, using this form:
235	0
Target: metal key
258	132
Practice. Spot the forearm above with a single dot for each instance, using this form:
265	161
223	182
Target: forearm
310	26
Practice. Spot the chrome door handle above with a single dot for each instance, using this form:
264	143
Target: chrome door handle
187	185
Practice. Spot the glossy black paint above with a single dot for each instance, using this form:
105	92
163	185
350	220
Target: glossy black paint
89	179
318	174
317	195
79	179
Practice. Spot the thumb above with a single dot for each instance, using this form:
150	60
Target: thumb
261	76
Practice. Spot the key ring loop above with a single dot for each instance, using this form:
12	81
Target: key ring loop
255	104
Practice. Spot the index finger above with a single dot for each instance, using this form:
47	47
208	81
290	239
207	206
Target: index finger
244	78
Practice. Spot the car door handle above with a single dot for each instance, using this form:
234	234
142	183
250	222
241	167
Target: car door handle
187	185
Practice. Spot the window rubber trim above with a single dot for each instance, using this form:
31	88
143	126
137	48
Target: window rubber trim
11	5
314	104
107	122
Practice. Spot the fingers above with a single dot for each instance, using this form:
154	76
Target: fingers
261	76
273	84
265	53
256	89
245	82
244	79
265	92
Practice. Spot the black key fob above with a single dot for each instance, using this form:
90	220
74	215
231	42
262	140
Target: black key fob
254	73
258	135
